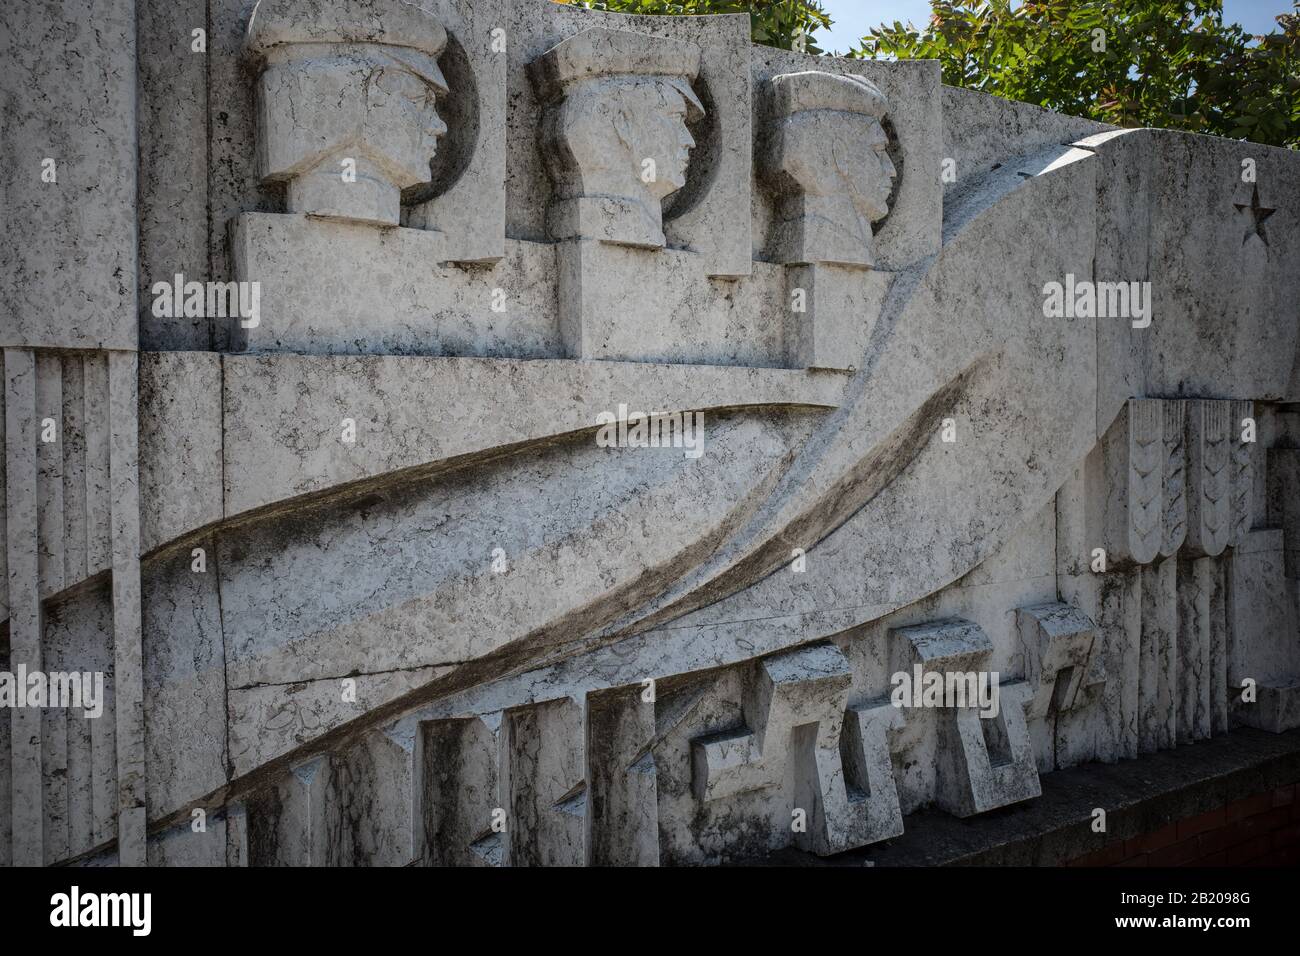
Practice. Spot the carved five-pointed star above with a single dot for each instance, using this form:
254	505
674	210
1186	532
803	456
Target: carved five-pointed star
1257	215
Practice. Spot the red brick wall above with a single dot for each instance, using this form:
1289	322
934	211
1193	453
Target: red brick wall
1263	830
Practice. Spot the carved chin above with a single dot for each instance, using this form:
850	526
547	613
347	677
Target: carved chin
677	179
431	148
879	209
415	167
666	184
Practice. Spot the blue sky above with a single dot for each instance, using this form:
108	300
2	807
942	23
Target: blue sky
854	17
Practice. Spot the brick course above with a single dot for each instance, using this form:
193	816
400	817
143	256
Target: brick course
1259	830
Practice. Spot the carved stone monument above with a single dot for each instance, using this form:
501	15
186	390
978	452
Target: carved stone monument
541	436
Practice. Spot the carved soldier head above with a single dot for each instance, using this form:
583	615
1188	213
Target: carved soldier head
347	102
615	132
828	160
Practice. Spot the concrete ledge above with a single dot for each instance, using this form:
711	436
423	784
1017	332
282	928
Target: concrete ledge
1139	796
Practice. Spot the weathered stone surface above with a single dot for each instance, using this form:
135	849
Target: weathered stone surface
460	787
546	799
1224	266
1185	219
622	793
980	131
383	291
794	714
1135	525
1284	503
1262	623
1158	700
445	604
128	669
1173	479
69	192
267	720
172	96
833	310
466	201
986	760
24	602
49	473
234	185
183	845
78	635
887	441
184	679
688	319
182	453
405	410
1124	218
1058	643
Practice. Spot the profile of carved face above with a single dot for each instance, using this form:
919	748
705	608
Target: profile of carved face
828	161
831	153
665	138
615	132
372	103
628	135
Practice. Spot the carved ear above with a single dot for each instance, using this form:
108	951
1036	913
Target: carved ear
840	158
622	121
843	163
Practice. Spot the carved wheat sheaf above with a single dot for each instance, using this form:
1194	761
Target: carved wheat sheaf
1146	449
1214	465
1209	461
1175	477
1242	478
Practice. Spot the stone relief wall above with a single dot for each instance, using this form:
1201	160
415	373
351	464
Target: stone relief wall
361	529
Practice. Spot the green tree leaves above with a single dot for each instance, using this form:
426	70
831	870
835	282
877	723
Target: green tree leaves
1169	63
